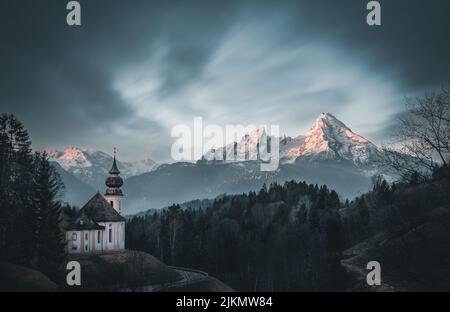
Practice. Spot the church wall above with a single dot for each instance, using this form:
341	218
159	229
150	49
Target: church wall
98	240
88	241
117	235
122	235
85	245
115	202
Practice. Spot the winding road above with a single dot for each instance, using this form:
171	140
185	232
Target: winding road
188	277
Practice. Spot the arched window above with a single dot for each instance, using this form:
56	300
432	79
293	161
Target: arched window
110	233
73	243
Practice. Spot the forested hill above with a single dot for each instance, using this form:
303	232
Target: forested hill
294	237
282	238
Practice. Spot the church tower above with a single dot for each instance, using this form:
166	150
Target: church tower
113	182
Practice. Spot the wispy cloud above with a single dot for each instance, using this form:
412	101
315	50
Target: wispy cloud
133	70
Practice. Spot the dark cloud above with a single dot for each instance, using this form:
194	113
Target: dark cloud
411	43
62	81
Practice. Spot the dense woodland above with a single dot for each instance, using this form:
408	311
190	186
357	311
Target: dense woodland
30	212
284	238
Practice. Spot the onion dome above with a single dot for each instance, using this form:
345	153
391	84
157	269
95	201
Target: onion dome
114	181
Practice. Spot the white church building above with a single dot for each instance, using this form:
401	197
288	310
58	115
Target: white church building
99	226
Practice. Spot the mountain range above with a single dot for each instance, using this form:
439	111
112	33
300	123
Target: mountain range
327	139
329	153
83	171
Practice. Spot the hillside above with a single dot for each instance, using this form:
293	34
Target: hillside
122	271
19	278
414	260
128	269
301	237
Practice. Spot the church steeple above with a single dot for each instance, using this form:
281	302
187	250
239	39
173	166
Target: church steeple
114	169
113	182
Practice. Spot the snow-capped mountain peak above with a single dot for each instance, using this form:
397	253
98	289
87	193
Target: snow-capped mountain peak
246	148
329	138
326	131
252	139
92	166
70	158
326	123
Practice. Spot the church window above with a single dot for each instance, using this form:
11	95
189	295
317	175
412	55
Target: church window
73	244
110	234
112	203
98	237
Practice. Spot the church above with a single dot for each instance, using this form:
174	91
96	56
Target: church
99	225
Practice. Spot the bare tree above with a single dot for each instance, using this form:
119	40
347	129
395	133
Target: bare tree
422	140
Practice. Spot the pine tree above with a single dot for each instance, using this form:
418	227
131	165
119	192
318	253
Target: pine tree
363	215
263	196
47	211
16	183
314	219
6	210
29	212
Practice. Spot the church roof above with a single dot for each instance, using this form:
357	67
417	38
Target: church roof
99	210
83	222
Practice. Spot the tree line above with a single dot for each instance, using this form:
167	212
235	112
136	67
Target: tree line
30	212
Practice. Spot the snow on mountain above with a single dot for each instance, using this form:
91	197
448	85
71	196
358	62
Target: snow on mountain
330	139
139	167
246	149
289	148
327	139
70	158
92	166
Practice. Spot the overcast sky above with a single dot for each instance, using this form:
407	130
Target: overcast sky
134	69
